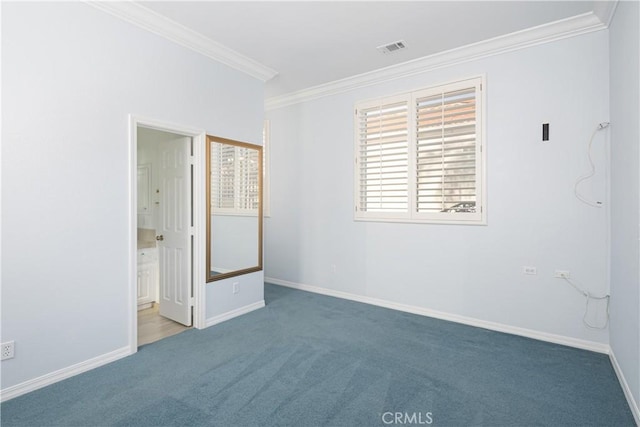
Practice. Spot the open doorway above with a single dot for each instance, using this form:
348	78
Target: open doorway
166	301
163	235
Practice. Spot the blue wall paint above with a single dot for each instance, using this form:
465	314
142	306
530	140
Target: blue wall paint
625	192
71	76
474	271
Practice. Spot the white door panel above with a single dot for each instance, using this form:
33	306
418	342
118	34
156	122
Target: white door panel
174	247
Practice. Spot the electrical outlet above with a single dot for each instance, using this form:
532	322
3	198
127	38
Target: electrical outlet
6	350
529	270
334	268
235	287
562	274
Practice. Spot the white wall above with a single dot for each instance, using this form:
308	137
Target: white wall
625	193
71	76
473	271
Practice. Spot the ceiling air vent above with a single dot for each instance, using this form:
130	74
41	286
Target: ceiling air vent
392	47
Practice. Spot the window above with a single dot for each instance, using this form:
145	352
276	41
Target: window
266	182
419	156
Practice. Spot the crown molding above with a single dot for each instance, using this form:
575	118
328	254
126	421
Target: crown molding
605	10
149	20
557	30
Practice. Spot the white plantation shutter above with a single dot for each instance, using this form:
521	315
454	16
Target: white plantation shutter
383	157
235	189
446	151
266	182
419	156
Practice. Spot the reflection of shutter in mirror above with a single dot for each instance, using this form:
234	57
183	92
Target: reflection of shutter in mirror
222	176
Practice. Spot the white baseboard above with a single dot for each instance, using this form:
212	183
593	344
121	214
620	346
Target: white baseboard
633	405
62	374
87	365
233	313
499	327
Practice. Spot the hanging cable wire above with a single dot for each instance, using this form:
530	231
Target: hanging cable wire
596	204
592	172
588	297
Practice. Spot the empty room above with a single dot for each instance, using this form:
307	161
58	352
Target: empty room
320	213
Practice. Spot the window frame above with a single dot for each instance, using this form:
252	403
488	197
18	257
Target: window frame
411	215
266	168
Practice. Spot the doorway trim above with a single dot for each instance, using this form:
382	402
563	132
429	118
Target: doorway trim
199	138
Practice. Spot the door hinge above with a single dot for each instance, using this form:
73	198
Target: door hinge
192	301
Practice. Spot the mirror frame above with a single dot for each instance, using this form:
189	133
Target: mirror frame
258	148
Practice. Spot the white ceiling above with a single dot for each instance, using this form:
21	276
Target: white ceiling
312	43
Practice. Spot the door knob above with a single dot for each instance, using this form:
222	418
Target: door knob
160	237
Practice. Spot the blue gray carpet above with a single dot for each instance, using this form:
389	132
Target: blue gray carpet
311	360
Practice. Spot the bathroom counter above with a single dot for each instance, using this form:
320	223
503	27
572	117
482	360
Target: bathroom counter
146	244
146	238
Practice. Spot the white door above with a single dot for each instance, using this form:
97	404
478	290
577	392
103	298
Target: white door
173	231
